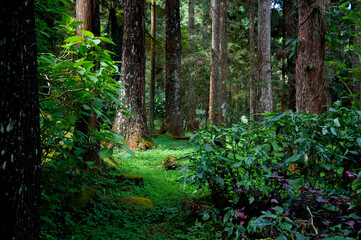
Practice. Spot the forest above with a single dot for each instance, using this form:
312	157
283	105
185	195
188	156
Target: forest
180	119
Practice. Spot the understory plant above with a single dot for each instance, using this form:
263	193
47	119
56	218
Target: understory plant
78	82
295	162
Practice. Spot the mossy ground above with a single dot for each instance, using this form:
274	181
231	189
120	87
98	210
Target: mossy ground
107	217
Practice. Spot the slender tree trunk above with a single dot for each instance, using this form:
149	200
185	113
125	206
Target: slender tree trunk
214	108
191	122
252	91
310	79
87	11
152	68
134	126
173	122
20	152
264	57
223	77
116	30
291	33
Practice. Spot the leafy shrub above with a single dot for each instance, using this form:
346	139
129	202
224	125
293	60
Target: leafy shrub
76	83
288	159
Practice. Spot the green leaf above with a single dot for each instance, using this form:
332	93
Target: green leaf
300	236
83	48
205	216
356	185
359	141
106	40
87	33
105	152
356	204
237	165
248	160
95	41
74	39
294	158
88	65
227	216
333	131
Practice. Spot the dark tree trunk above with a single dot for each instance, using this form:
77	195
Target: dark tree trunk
173	122
116	30
264	57
223	60
252	91
214	103
134	126
310	79
291	33
19	123
152	69
191	122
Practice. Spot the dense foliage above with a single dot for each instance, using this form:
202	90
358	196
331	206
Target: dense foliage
288	173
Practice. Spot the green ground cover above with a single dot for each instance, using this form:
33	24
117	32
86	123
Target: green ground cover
105	215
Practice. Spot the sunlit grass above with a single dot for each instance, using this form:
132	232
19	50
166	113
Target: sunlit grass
160	186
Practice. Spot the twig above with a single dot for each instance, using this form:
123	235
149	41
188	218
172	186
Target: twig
312	220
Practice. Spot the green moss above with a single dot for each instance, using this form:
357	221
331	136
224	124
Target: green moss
170	163
137	202
137	180
80	199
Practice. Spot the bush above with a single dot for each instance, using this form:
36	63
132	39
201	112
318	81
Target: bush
288	159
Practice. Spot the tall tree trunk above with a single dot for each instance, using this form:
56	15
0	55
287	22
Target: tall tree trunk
173	122
152	68
310	80
223	77
87	11
252	91
214	108
134	126
191	122
20	151
116	30
290	14
264	57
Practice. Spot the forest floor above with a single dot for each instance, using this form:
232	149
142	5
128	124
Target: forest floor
72	211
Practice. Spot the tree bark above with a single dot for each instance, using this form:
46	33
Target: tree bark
134	126
252	91
264	57
310	80
290	14
87	11
116	30
20	161
191	122
173	121
152	68
223	60
214	103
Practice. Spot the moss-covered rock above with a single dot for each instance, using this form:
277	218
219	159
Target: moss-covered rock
80	198
137	180
137	202
170	163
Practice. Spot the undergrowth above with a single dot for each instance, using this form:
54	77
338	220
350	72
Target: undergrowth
105	216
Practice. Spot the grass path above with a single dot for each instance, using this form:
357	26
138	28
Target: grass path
162	187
